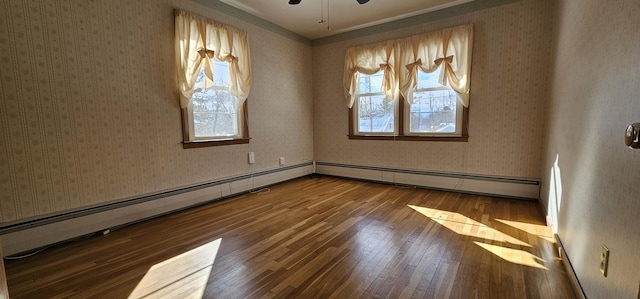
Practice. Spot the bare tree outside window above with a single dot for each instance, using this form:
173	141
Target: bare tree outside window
214	109
375	113
434	106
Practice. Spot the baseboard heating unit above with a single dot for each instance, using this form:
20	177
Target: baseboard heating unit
27	235
31	234
518	188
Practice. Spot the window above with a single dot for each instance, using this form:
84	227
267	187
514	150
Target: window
415	88
435	113
214	78
215	114
435	110
375	114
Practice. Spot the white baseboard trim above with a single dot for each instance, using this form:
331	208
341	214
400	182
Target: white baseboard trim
37	233
458	182
575	283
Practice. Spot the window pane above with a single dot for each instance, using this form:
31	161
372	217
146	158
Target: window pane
214	113
429	80
221	73
375	114
433	112
214	109
370	83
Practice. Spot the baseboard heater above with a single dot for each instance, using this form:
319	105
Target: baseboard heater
518	188
27	235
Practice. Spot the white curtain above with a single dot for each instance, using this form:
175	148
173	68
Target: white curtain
417	53
402	58
369	60
457	45
197	41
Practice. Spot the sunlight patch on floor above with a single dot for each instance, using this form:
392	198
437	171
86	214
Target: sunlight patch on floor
541	231
515	256
182	276
466	226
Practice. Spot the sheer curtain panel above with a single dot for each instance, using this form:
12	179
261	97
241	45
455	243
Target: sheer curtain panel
401	59
369	60
449	48
197	41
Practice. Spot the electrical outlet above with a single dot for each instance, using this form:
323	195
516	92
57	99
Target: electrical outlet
252	158
281	161
604	260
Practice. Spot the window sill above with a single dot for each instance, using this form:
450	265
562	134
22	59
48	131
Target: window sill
411	138
208	143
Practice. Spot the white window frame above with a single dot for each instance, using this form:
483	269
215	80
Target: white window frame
356	113
458	120
238	119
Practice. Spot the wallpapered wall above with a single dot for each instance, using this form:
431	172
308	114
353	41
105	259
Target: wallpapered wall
89	111
507	108
591	182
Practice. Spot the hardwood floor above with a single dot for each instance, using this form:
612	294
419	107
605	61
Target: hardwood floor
313	238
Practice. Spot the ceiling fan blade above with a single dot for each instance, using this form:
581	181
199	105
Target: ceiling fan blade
298	1
363	1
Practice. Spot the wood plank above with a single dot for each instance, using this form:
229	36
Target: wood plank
314	237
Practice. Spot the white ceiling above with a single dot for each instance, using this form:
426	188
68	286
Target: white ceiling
341	15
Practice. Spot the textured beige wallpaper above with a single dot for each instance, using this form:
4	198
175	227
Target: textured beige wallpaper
509	88
89	113
591	182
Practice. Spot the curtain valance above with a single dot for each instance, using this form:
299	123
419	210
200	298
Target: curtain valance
370	59
402	58
197	41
